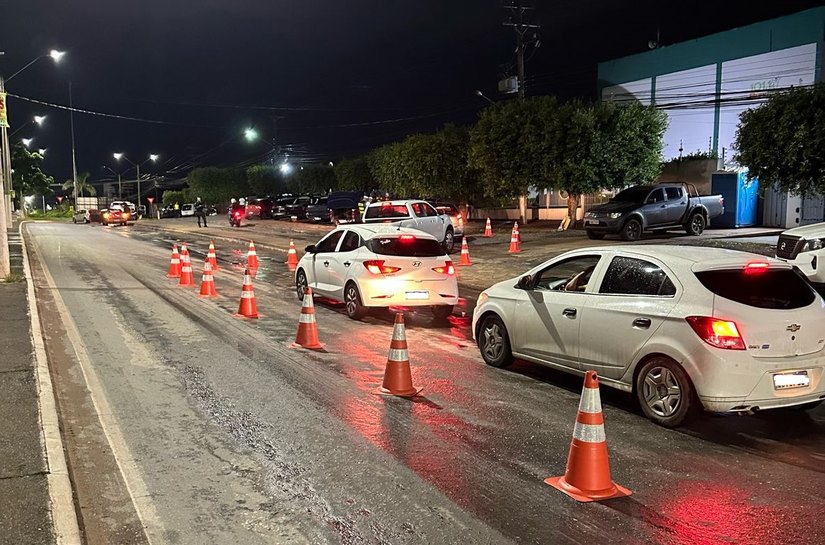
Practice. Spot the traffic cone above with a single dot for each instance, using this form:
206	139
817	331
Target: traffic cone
208	281
465	253
247	308
211	257
488	229
515	247
174	265
291	255
587	476
518	233
397	376
252	257
186	278
307	327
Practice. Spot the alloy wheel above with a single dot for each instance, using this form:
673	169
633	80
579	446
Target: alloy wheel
662	392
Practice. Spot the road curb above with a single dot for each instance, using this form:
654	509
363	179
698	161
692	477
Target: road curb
62	509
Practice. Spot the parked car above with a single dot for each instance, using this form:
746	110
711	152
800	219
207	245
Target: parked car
169	211
368	266
454	213
317	210
804	247
93	215
680	327
653	208
345	207
80	216
298	207
111	216
125	206
414	214
187	209
279	209
259	207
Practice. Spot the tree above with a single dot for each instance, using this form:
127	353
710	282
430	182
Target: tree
83	185
782	142
215	185
354	174
314	179
265	180
172	197
27	175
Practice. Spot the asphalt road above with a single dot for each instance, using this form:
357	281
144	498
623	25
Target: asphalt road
185	424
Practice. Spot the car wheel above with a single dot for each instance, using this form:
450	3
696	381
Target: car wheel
301	284
696	224
632	230
85	221
494	342
593	235
442	311
74	220
665	392
352	300
449	241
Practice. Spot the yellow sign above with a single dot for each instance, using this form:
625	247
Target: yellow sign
4	119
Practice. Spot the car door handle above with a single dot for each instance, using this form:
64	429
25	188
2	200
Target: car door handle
347	263
326	263
641	323
569	312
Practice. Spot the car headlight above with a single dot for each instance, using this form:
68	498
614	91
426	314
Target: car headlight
482	298
813	244
615	215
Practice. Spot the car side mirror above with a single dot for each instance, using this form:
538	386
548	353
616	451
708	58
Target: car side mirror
311	249
525	283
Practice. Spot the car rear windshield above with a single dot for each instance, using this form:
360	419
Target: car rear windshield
772	289
387	211
417	247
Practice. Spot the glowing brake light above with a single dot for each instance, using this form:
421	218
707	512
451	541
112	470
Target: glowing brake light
407	238
719	333
376	266
756	267
447	269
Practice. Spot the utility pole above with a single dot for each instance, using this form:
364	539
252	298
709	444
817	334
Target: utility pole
74	162
516	11
5	164
5	266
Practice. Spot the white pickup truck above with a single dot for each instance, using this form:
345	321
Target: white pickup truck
804	247
416	215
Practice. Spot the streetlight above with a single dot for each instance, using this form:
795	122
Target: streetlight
286	168
54	54
482	95
152	157
250	134
119	183
38	120
27	141
42	152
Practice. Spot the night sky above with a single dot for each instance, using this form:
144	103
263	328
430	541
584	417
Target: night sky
336	78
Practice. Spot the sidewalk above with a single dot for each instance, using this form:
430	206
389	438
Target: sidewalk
25	506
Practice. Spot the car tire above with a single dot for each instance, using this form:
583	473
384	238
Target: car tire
85	220
352	302
300	283
74	220
696	224
442	312
631	230
593	235
665	392
494	342
449	241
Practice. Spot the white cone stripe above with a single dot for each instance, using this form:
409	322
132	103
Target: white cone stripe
398	354
247	295
590	401
306	319
307	301
207	278
247	280
589	433
399	333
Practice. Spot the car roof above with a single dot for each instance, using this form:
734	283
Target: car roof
697	258
370	230
396	202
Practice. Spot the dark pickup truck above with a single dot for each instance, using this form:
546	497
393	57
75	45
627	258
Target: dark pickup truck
653	208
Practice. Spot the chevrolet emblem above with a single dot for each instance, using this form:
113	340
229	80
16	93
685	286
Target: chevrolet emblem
793	328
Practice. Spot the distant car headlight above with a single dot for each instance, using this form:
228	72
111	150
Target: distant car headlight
615	215
811	245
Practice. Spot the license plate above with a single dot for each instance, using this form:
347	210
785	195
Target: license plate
785	381
592	222
418	295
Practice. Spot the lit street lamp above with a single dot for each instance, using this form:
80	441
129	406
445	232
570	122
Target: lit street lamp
152	157
27	141
482	95
42	152
54	54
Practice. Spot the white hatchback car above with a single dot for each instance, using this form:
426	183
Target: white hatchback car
368	266
678	326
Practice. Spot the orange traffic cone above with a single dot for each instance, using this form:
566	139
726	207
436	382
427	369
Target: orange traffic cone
518	233
208	281
488	229
291	255
587	476
186	278
465	253
307	326
252	257
247	308
397	376
174	265
211	257
514	243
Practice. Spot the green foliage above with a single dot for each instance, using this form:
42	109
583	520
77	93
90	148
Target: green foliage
28	177
83	185
265	180
354	175
782	141
172	197
313	179
214	185
59	212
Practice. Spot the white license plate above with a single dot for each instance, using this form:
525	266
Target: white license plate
592	222
785	381
418	295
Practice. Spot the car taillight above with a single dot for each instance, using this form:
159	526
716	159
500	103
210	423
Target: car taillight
447	269
460	220
237	214
376	266
756	267
407	238
719	333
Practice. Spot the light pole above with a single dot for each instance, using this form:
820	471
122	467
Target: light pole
38	120
485	97
152	157
119	184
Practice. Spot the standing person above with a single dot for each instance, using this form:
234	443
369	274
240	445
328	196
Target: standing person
200	212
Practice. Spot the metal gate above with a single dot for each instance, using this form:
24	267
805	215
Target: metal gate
813	210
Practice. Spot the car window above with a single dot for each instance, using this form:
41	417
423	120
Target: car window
630	276
418	209
329	243
351	242
772	288
657	195
387	211
429	210
673	193
569	275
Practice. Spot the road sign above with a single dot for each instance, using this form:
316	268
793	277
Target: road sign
150	199
60	199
